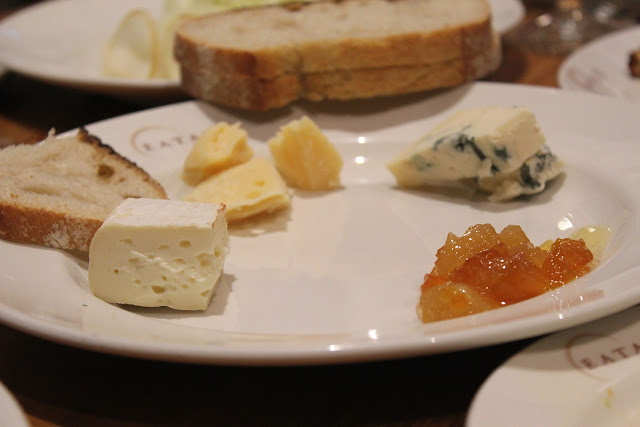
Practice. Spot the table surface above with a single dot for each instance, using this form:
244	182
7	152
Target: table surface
59	385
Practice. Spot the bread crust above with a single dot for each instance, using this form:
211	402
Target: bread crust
24	221
242	91
262	64
84	136
46	228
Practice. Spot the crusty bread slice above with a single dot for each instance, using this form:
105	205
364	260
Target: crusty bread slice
259	94
58	193
265	57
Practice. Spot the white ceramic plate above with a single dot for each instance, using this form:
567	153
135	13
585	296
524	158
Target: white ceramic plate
588	376
11	413
506	14
337	277
61	42
602	66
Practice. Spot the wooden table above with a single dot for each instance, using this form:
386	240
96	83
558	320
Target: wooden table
59	385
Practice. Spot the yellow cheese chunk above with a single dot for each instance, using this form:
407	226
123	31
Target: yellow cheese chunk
248	189
219	147
305	157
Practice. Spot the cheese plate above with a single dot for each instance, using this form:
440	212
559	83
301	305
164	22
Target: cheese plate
336	278
33	43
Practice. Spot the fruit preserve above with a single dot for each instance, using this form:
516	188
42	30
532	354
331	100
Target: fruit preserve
483	270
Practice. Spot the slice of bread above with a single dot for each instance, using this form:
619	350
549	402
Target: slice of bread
58	193
259	95
265	57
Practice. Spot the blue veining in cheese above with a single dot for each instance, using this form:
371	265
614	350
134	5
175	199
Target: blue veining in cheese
530	178
493	146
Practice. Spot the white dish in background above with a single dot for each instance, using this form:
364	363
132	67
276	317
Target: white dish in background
506	14
602	66
588	376
11	413
61	42
337	278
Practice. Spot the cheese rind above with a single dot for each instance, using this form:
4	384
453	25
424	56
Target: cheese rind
305	157
155	253
249	189
219	147
501	149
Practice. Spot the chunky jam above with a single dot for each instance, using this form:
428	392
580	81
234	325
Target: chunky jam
483	270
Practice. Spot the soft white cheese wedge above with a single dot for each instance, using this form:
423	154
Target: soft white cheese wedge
153	253
489	145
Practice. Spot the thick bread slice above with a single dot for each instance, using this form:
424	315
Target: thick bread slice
259	94
58	193
266	54
241	91
265	42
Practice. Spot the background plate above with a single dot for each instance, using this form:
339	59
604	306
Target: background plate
11	413
33	42
61	42
587	376
602	66
336	278
506	14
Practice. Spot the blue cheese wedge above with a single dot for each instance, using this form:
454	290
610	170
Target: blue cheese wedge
501	150
530	178
154	253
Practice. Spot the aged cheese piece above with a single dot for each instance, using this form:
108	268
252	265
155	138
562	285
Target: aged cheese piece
530	178
218	147
248	189
501	149
305	157
155	253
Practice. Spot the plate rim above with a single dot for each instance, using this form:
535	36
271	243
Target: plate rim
14	414
600	328
566	83
94	84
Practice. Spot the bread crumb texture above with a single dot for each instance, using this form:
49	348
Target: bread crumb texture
58	192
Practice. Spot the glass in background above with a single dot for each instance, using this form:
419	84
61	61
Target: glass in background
572	23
